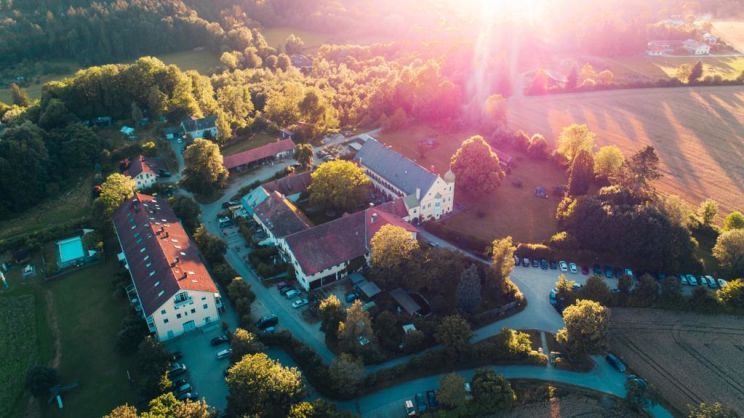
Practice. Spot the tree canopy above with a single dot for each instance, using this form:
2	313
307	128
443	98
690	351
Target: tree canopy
581	174
586	328
608	162
114	191
492	392
339	185
574	138
204	170
476	167
734	220
258	385
729	251
391	246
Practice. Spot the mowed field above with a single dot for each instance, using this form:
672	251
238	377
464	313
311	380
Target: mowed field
697	132
731	31
689	358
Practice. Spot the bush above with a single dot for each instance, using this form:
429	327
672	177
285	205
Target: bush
534	251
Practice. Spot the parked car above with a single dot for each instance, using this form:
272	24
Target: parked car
525	262
552	296
267	321
286	289
224	353
176	355
468	391
410	409
584	270
535	263
722	283
683	280
421	405
563	266
544	264
703	281
597	270
615	362
608	272
572	268
692	280
186	387
431	398
177	369
164	173
222	339
517	261
230	203
628	272
192	396
299	303
712	283
178	383
292	294
351	297
553	265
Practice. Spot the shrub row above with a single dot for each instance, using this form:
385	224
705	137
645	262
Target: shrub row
35	240
716	80
470	243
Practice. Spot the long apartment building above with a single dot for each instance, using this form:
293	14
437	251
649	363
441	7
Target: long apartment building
173	287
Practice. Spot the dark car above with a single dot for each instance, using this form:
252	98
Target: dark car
618	272
164	173
192	396
267	321
351	297
176	355
615	362
584	270
286	289
431	397
535	263
544	264
421	405
222	339
177	369
525	262
597	270
229	203
180	382
553	265
608	272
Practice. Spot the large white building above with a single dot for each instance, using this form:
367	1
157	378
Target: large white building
142	171
426	195
174	290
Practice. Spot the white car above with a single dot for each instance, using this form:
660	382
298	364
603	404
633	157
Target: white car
722	283
573	268
692	280
299	303
563	266
224	353
292	294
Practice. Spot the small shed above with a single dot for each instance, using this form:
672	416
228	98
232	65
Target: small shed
127	131
404	300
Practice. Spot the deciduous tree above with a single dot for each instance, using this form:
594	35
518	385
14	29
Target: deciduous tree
303	153
477	167
452	391
711	410
469	290
729	251
167	406
597	290
339	185
586	328
707	212
244	342
581	174
212	247
356	324
734	220
204	169
347	374
696	73
639	171
492	392
391	246
732	295
573	139
502	257
331	313
453	332
19	96
608	162
114	191
260	386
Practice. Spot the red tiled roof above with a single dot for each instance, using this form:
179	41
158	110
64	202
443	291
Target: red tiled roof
289	185
158	251
343	239
281	216
139	165
396	207
256	154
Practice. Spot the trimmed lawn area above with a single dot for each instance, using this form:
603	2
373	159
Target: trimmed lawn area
731	31
511	210
34	88
244	144
72	205
654	68
88	318
277	36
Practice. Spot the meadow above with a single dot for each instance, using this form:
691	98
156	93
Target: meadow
731	31
696	132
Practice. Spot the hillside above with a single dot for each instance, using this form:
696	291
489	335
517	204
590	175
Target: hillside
696	131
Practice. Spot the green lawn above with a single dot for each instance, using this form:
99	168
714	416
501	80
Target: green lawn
511	210
72	205
202	61
277	36
244	144
654	68
85	315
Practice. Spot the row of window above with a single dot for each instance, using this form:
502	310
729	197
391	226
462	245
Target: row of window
193	310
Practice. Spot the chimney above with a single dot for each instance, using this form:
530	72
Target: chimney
373	218
418	193
174	262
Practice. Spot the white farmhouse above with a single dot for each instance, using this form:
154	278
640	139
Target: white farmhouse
173	288
426	195
142	172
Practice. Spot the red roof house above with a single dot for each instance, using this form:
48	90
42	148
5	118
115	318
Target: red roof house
273	150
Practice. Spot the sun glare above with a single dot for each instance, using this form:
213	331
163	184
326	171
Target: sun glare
526	11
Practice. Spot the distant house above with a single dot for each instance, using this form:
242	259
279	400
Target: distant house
103	121
659	48
710	39
172	287
696	48
172	132
200	128
291	187
425	194
143	171
285	133
270	152
322	254
279	217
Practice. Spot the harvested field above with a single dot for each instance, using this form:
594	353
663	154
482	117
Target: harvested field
573	405
696	132
689	358
731	31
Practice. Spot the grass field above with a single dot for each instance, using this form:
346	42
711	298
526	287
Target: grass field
277	37
81	313
244	144
511	210
696	132
731	31
20	346
643	68
202	61
688	357
75	204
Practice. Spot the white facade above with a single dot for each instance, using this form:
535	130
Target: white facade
203	133
306	281
438	201
145	180
184	312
